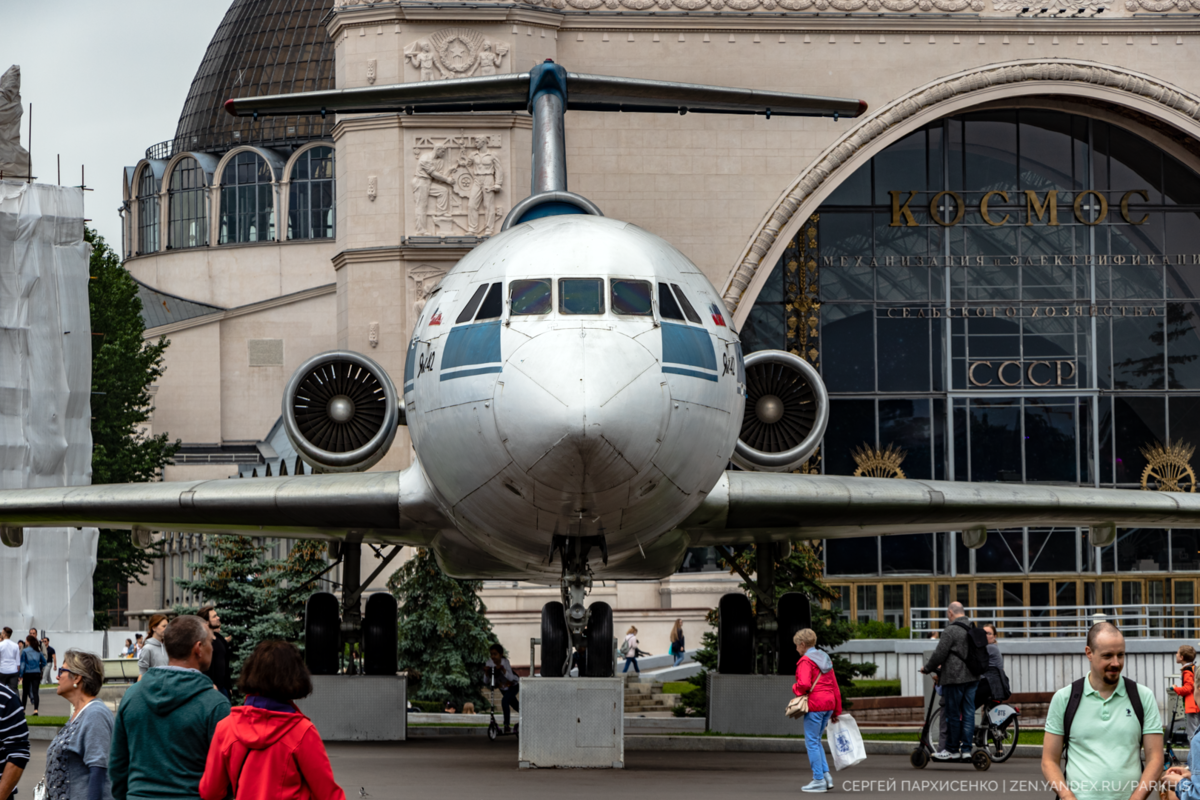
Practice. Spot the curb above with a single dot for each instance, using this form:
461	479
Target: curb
747	744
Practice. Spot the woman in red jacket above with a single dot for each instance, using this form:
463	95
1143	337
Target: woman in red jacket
267	748
815	678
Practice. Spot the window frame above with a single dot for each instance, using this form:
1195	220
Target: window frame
236	193
302	188
600	295
612	281
549	284
180	196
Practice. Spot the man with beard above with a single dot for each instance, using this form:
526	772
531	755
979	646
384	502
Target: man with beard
219	669
1102	723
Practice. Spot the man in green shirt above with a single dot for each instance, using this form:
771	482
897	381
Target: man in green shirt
1105	742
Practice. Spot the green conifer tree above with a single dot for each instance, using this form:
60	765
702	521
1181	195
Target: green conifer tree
123	367
444	633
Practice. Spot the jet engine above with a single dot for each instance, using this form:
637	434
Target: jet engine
787	409
340	412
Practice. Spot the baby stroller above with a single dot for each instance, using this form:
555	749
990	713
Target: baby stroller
1177	727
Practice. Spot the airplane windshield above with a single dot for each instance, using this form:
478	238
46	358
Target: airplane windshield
688	311
667	307
631	298
493	304
472	304
580	296
530	297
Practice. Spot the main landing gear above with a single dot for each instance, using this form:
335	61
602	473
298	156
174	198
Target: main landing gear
569	625
759	639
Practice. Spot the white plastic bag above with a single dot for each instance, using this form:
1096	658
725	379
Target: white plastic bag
845	743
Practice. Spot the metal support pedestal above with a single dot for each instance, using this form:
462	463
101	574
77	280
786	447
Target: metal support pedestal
751	705
358	708
572	722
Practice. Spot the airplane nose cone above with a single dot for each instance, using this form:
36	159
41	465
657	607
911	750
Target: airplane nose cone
578	416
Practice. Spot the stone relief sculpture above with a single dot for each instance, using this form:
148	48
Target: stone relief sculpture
455	53
456	184
372	69
14	159
424	278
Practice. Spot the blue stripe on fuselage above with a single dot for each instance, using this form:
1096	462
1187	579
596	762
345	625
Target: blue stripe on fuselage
468	345
690	347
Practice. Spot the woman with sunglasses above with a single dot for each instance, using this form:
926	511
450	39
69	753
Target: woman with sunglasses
77	759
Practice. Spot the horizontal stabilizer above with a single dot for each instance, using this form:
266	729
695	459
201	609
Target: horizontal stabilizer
511	93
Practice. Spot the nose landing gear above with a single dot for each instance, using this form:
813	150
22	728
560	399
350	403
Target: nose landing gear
568	626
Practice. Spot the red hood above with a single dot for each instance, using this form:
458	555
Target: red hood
258	728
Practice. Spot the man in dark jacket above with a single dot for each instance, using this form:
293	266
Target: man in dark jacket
219	670
958	685
166	721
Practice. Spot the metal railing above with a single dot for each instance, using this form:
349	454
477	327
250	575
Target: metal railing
1158	621
162	150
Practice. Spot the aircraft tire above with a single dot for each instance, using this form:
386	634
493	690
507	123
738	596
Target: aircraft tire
795	614
735	635
322	634
556	640
600	642
380	635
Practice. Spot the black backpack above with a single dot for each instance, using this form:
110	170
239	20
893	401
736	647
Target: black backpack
1135	700
977	654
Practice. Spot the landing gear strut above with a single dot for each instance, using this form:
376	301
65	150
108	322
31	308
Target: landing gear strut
760	638
569	624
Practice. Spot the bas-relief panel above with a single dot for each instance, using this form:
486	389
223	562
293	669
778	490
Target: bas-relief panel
422	280
454	53
457	184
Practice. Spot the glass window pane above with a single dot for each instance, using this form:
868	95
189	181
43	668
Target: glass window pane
908	554
903	354
851	425
631	297
1142	550
685	304
893	604
1052	550
580	296
905	424
667	307
468	311
995	440
867	602
1051	453
851	556
848	362
841	605
1002	552
530	297
493	305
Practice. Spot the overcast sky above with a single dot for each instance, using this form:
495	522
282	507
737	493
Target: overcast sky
107	79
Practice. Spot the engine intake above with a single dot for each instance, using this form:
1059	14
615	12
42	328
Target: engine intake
787	409
340	412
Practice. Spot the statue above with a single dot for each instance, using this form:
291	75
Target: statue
420	54
430	181
490	57
488	177
14	159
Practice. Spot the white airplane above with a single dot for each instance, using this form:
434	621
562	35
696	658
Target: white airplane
575	392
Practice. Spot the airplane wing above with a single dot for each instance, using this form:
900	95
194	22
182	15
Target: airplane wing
512	93
748	507
387	507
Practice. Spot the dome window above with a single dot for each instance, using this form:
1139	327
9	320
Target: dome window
310	195
147	199
187	206
247	200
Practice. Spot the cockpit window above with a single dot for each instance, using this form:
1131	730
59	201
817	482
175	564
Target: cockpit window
688	311
530	297
469	309
580	296
667	307
631	298
493	304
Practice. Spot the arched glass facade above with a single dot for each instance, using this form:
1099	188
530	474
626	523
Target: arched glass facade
187	206
1009	296
147	215
247	200
311	210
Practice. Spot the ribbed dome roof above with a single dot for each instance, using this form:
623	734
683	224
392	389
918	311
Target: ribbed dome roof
261	47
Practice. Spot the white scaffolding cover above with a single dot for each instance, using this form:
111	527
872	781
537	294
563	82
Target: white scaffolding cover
45	399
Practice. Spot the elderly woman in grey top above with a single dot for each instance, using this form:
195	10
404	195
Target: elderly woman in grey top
77	759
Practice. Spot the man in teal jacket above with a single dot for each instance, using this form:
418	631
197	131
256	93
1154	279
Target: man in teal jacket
166	721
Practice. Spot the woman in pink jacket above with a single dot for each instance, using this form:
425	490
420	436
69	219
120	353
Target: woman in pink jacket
815	678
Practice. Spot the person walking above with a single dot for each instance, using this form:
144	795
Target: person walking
51	661
816	680
499	673
166	721
128	652
994	683
958	685
1103	723
32	663
1186	658
677	643
629	649
220	670
153	653
77	759
267	748
14	740
10	662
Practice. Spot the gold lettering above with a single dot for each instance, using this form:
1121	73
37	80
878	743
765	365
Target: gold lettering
1000	373
920	313
1058	371
1029	373
890	315
905	314
1125	206
937	313
1034	314
899	210
971	373
1032	206
1050	311
1010	312
827	261
958	213
1153	311
1079	203
983	207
